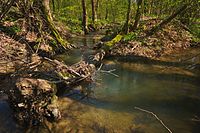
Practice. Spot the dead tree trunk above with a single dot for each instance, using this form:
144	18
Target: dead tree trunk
166	21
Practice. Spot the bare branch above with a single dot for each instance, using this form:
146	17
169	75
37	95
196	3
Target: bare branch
149	112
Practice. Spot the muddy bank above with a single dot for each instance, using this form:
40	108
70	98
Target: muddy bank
31	82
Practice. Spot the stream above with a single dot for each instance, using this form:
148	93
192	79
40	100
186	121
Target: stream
169	88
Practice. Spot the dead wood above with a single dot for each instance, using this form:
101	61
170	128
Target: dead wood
149	112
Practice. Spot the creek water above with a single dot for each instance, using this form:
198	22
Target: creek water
169	88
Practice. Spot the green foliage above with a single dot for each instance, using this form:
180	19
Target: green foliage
53	43
130	36
73	23
10	30
196	29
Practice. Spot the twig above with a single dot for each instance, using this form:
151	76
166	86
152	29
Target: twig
196	119
149	112
190	58
100	67
110	72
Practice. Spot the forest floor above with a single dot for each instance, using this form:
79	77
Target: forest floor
171	38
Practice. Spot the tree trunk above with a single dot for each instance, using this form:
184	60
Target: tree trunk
53	4
93	12
138	14
46	12
84	19
151	6
106	16
96	8
166	21
125	27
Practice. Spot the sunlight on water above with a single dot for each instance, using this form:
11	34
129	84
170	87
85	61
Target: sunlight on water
168	88
170	91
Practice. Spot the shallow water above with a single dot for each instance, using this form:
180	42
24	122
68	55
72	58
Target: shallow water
169	88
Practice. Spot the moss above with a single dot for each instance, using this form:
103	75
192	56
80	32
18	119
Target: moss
115	40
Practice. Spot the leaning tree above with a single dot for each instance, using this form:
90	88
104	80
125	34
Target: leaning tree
38	18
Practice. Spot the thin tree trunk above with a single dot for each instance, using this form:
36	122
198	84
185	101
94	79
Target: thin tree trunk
106	16
125	27
93	12
151	7
166	21
46	5
53	4
84	19
138	15
96	8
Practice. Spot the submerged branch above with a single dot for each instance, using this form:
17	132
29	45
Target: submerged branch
110	72
149	112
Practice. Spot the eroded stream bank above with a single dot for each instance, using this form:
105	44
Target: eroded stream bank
168	87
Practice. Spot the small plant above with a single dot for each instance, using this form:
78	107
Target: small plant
130	36
10	30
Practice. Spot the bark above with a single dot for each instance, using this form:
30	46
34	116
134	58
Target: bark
93	12
166	21
84	19
106	16
46	12
46	4
53	4
125	27
96	8
138	14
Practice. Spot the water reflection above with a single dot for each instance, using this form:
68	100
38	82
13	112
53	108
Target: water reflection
8	125
167	87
